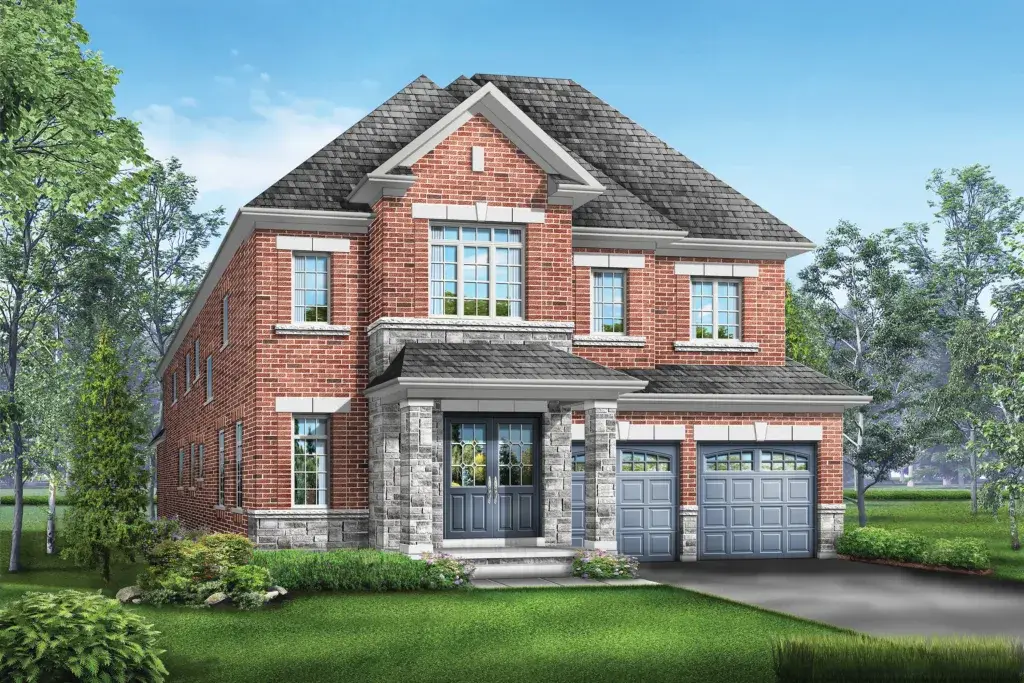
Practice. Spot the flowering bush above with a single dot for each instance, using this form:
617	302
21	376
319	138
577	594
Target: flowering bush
598	564
445	571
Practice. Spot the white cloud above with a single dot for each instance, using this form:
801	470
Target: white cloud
265	77
235	158
188	102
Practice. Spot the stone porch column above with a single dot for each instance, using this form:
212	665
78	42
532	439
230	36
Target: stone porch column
600	432
688	515
384	526
831	519
556	481
416	467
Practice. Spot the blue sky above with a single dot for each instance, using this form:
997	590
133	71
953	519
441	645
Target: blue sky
817	111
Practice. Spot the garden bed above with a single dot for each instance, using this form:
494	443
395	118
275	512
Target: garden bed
917	565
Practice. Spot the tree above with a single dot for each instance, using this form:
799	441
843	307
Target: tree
162	240
805	342
977	215
874	320
63	152
108	479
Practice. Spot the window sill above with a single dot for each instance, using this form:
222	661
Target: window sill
313	330
180	489
608	340
223	346
219	507
719	345
237	511
191	488
208	401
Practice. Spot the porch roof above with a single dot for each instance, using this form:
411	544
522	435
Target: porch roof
793	379
511	370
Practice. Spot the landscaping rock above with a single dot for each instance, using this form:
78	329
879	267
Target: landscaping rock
128	594
279	589
271	595
136	601
217	599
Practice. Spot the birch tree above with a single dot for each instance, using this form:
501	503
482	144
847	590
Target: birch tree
875	321
63	155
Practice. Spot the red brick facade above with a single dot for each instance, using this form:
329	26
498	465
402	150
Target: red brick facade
385	273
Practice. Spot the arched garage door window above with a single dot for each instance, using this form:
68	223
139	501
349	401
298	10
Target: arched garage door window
644	461
753	460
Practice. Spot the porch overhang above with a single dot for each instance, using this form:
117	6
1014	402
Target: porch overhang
487	388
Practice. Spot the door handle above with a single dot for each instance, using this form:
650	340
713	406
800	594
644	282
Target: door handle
490	490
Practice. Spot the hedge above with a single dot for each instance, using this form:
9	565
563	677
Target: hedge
909	493
876	543
839	658
362	570
33	499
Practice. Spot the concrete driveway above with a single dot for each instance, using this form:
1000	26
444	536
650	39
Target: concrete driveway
864	597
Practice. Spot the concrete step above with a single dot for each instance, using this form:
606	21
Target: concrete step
513	562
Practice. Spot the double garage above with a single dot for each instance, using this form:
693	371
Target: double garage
754	500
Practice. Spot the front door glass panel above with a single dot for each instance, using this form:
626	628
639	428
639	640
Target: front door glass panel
468	454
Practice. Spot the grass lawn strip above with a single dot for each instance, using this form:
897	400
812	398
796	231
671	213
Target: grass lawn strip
587	634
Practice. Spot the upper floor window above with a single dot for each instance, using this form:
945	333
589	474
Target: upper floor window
715	309
181	466
608	289
476	271
174	388
188	372
238	464
195	357
209	378
310	288
224	323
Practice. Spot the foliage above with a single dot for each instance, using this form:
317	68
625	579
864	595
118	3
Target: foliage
249	578
444	571
876	321
54	636
841	657
8	499
234	548
175	561
805	342
361	570
598	564
910	493
249	601
108	479
903	546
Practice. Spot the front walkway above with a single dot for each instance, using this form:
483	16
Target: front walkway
558	582
864	597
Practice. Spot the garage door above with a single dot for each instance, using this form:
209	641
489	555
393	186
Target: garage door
756	501
646	489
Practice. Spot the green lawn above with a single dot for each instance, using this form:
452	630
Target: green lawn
948	519
599	634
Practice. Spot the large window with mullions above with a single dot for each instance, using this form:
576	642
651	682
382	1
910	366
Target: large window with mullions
476	271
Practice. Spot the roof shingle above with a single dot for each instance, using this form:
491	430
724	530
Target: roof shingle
791	379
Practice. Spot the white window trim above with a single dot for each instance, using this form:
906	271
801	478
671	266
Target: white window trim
291	302
625	317
238	465
492	288
327	460
209	378
715	339
195	359
224	320
221	478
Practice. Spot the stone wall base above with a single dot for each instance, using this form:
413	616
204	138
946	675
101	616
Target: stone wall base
688	533
830	526
309	529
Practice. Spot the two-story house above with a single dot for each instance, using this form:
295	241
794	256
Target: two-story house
501	319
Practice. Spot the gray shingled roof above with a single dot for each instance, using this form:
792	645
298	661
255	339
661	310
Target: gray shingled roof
792	379
649	184
494	361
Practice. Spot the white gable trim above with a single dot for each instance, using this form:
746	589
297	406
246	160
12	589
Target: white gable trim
524	133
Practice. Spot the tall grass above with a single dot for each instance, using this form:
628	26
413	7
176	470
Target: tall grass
842	658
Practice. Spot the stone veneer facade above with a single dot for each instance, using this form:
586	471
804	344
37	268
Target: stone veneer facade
386	460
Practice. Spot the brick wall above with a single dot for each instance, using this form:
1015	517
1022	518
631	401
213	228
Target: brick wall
305	366
829	450
192	420
399	244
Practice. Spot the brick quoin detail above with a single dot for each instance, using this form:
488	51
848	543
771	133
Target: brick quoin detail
829	470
